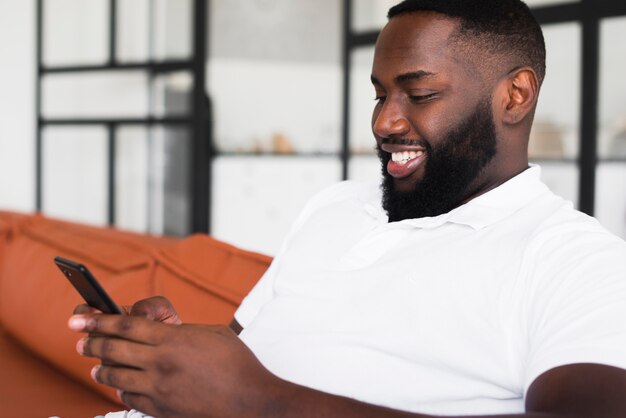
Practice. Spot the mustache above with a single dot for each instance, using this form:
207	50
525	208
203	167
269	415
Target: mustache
405	141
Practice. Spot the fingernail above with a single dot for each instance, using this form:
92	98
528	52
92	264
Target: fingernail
77	323
119	394
94	372
80	346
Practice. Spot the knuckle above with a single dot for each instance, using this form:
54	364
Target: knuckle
161	300
111	377
105	376
107	349
87	347
161	389
93	324
125	324
166	367
129	400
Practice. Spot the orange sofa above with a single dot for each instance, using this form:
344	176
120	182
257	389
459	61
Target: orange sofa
40	373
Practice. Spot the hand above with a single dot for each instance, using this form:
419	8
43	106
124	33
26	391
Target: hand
156	308
184	370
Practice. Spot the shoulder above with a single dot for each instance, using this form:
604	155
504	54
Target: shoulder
569	246
567	227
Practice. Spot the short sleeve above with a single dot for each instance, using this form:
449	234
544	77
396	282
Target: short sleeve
577	307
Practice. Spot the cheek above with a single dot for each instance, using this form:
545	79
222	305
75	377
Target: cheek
429	124
437	120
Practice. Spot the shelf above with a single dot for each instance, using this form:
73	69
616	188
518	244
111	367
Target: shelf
116	121
152	66
233	154
553	160
614	160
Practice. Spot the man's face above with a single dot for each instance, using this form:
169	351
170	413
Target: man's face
433	121
450	170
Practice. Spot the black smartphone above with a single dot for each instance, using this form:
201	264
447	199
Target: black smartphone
87	285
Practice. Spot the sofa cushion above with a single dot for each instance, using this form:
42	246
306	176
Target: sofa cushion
31	388
10	224
36	300
206	279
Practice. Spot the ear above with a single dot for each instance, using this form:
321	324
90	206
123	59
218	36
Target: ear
518	95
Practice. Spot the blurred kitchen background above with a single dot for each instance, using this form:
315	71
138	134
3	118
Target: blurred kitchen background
176	116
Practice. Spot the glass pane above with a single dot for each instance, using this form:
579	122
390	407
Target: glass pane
17	106
370	14
132	181
256	200
75	174
154	29
152	184
170	181
172	29
133	30
612	130
611	197
562	178
361	102
555	133
75	32
121	95
172	94
275	76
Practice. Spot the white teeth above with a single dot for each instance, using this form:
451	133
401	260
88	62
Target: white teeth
403	157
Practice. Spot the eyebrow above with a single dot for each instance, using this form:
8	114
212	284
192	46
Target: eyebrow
410	76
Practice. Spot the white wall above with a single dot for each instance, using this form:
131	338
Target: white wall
17	105
277	91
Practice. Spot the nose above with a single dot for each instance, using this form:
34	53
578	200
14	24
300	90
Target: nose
389	120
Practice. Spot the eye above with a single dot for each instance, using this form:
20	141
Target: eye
423	98
380	99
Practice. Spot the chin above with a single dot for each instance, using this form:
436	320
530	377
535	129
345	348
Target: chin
407	184
403	187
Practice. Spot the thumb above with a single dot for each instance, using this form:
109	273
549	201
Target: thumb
157	309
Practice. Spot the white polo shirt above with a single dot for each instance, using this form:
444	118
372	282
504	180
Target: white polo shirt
454	314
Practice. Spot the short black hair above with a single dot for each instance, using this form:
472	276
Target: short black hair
504	28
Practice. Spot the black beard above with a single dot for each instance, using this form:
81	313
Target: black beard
450	169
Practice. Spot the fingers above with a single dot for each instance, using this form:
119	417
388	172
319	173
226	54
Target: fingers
132	328
85	309
132	386
114	351
138	402
156	308
122	378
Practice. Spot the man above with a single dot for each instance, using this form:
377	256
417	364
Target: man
465	288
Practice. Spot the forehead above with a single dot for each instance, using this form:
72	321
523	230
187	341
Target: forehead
418	41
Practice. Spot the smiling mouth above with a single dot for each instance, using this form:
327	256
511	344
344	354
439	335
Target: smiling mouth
403	157
405	163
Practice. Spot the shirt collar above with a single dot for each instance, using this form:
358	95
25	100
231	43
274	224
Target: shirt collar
480	212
